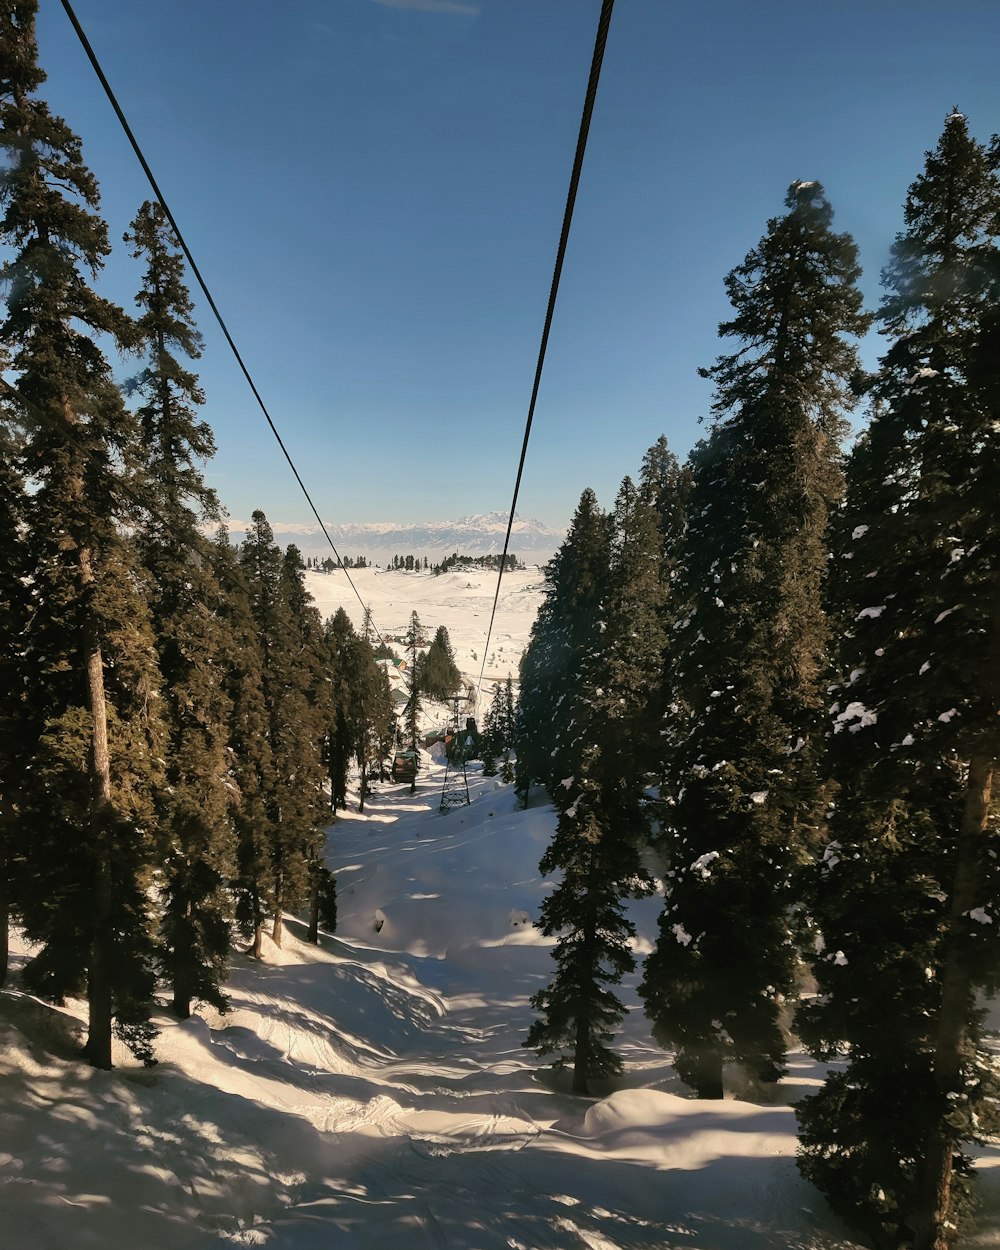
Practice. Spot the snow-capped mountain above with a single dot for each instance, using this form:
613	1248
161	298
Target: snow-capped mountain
481	534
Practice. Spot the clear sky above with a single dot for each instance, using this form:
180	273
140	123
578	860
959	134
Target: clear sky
374	190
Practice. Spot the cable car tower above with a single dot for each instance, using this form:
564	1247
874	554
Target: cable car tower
455	791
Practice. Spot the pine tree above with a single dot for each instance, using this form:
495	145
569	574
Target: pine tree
633	645
506	724
412	644
907	884
341	732
488	736
596	844
91	719
747	655
298	693
250	775
13	620
193	807
560	636
376	721
439	674
262	875
665	486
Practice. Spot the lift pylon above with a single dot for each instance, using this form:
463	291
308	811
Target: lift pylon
455	791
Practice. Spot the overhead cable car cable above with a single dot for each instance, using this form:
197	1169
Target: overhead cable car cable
581	146
112	98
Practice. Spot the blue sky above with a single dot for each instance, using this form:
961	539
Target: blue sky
374	190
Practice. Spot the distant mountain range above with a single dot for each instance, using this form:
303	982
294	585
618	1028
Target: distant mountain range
378	541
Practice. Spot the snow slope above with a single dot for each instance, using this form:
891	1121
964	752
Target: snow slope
374	1092
461	601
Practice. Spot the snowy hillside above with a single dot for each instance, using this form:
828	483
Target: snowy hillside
479	535
461	601
373	1093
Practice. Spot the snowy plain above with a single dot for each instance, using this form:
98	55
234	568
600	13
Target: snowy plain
374	1093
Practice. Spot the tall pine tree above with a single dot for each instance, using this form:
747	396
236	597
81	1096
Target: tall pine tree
412	643
596	847
91	718
13	619
439	674
198	843
341	732
250	774
750	647
907	887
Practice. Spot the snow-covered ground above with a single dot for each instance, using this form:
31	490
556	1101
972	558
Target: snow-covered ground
461	601
374	1092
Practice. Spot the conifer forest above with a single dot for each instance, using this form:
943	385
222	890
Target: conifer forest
764	685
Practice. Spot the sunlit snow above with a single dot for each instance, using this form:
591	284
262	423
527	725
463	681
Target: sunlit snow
373	1093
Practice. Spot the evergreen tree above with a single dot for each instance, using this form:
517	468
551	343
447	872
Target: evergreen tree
251	763
193	808
13	619
299	714
560	636
506	724
439	674
665	486
747	656
633	645
376	722
596	847
412	644
489	733
91	723
908	882
341	732
499	722
277	883
488	736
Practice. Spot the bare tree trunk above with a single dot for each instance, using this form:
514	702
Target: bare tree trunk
182	979
99	988
181	1004
953	1044
581	1055
312	933
706	1070
276	929
4	929
364	783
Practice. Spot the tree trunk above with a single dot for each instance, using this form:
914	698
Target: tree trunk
706	1074
312	933
276	926
181	1004
99	984
4	931
364	784
581	1053
953	1043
